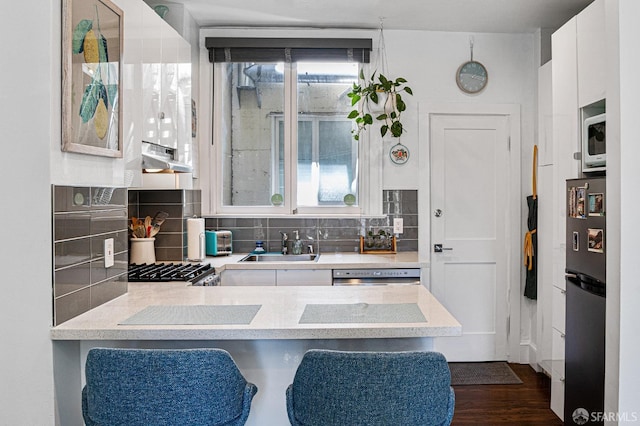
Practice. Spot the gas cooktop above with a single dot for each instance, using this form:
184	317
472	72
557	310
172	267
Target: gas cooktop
197	274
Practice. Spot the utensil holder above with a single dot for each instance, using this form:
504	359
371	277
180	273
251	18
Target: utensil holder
142	251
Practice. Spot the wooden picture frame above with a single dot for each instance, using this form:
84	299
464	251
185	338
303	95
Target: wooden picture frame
92	42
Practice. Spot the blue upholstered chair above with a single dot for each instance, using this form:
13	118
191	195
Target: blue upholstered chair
164	387
371	388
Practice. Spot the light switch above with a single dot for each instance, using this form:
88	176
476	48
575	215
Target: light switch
108	252
398	225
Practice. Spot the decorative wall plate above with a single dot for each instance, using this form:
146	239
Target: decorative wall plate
399	154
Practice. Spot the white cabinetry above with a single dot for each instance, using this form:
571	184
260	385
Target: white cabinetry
303	277
166	85
251	277
578	81
545	219
591	46
272	277
565	144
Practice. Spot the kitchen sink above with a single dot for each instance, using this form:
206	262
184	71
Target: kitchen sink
278	257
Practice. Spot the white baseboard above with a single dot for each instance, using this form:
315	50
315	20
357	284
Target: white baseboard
529	355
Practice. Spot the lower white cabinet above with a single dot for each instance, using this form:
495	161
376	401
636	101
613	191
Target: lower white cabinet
557	399
558	302
557	350
303	277
248	277
280	277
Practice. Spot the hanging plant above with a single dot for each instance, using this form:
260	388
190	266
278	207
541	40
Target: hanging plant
369	94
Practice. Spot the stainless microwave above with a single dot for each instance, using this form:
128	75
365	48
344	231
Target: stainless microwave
594	142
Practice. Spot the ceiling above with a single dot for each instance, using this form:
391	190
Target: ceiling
497	16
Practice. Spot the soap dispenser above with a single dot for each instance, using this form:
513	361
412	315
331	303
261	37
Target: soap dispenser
297	244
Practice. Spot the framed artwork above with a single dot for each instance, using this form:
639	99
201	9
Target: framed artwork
92	40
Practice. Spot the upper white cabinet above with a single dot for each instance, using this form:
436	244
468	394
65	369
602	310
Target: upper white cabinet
591	47
166	85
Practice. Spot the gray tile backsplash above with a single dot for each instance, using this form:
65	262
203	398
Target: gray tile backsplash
83	217
180	204
327	234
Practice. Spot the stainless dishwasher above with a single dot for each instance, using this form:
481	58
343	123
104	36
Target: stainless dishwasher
382	276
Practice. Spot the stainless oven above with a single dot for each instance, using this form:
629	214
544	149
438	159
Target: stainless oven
378	276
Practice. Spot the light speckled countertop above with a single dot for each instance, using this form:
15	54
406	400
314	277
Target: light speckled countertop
278	317
325	261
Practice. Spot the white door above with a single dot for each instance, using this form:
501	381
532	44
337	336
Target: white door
469	218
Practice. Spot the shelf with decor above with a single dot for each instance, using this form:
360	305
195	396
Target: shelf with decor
380	242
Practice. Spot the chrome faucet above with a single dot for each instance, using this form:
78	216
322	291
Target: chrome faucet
285	239
310	245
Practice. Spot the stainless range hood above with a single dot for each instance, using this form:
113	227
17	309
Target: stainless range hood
158	157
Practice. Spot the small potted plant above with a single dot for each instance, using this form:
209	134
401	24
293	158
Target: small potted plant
373	93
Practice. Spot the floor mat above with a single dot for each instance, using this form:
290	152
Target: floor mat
482	373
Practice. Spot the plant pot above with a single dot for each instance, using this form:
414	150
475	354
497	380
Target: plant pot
384	105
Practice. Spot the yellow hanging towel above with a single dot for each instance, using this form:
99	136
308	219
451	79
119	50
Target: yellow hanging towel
528	237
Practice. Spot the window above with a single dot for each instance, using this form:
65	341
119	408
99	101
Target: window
327	159
284	144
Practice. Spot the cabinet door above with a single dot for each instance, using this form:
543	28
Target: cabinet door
184	102
248	277
591	45
286	277
545	115
559	301
557	374
169	88
151	74
565	135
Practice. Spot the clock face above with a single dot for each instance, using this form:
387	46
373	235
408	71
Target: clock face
472	77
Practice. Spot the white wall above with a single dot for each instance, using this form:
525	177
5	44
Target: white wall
512	65
626	178
28	88
30	111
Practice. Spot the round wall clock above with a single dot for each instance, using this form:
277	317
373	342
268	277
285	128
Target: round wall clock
472	77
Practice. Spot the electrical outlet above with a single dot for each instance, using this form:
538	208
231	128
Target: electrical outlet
108	252
398	225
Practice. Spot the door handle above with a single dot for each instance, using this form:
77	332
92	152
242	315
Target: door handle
437	248
437	213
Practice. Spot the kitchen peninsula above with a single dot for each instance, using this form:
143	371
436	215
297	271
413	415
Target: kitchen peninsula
266	330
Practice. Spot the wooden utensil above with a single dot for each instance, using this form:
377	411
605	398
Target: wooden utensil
139	231
154	231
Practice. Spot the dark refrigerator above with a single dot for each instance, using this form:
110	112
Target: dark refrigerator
585	301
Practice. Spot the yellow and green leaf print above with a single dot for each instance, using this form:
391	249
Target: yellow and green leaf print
89	41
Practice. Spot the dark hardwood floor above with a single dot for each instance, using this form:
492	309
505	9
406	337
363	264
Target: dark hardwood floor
524	404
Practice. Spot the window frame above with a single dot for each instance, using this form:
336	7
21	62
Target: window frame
315	120
290	118
370	149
